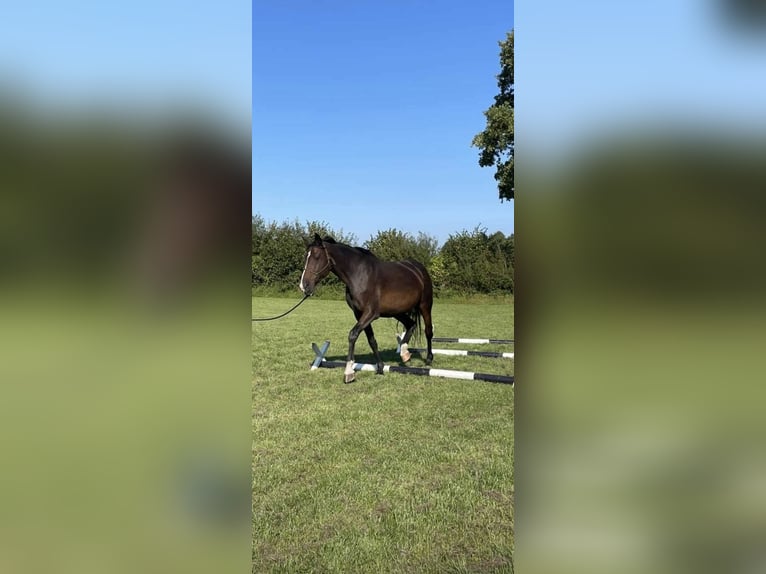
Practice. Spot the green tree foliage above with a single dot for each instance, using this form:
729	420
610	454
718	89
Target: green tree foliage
469	262
279	251
496	141
476	262
393	244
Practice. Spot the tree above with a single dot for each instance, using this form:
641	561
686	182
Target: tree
496	141
475	262
393	244
279	251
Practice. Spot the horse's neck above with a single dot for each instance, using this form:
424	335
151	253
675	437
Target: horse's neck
345	259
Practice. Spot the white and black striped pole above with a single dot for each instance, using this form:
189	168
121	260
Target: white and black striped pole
423	371
321	362
462	352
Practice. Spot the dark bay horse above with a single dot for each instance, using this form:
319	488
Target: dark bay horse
374	288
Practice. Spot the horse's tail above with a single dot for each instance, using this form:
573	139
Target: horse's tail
416	314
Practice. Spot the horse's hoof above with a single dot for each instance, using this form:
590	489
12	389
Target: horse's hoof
406	356
349	379
379	371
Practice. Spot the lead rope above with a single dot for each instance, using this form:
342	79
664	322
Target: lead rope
283	314
329	264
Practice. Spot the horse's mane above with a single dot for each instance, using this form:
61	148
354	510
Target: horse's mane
362	250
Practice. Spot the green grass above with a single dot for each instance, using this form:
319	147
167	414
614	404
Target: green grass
393	473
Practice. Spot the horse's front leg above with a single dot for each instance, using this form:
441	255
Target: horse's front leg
353	335
374	346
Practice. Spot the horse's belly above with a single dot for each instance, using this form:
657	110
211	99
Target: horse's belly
392	306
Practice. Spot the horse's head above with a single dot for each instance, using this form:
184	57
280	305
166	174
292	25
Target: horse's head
318	265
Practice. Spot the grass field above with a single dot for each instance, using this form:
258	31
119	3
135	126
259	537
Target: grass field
393	473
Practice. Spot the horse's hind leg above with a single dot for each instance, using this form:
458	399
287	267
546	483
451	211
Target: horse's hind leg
425	312
374	346
409	328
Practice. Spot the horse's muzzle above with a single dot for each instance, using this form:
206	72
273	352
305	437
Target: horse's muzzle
307	291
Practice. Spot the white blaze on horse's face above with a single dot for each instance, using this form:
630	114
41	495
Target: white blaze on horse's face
304	271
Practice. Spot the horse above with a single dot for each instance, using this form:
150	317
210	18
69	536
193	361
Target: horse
374	288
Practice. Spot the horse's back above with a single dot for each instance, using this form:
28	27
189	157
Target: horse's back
402	286
421	269
405	272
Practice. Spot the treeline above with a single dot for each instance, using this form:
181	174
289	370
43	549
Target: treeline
469	262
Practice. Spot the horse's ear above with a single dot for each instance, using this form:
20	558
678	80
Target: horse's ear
329	239
317	239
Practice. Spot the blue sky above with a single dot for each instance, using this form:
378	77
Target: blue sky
133	55
363	111
593	67
363	114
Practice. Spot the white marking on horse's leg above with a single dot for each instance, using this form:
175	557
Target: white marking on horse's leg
304	272
404	352
349	372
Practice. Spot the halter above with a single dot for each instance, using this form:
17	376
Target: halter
330	262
